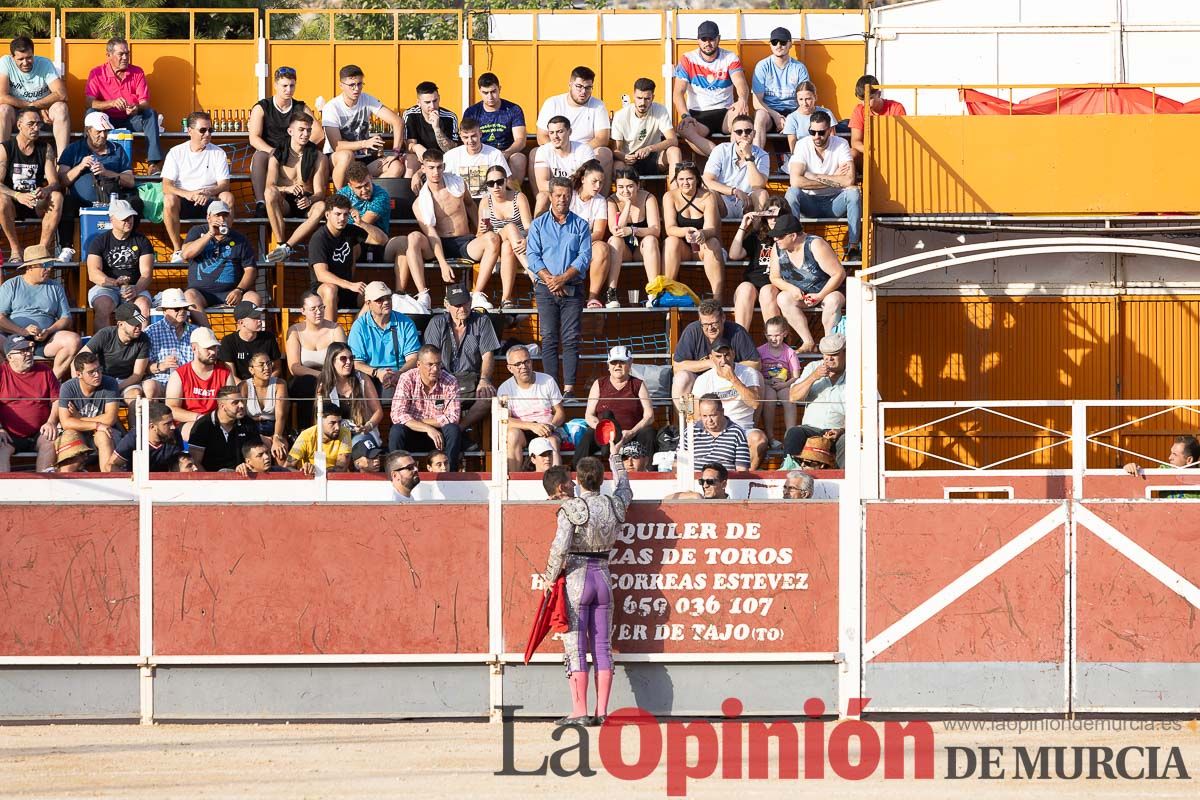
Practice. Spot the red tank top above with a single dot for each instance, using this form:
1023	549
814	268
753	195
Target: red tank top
201	395
624	404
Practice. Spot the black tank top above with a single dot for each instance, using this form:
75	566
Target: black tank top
25	173
275	122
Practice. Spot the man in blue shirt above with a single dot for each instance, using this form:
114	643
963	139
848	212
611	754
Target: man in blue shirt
384	342
559	250
370	204
774	86
223	267
502	125
29	81
92	168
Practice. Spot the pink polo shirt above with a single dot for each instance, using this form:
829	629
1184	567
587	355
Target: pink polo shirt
103	84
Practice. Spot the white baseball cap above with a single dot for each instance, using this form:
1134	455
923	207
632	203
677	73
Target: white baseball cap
620	353
97	121
540	446
204	338
173	298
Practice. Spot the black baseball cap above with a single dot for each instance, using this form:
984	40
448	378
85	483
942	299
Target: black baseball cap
782	34
128	312
247	310
17	343
783	225
457	296
365	449
708	30
720	344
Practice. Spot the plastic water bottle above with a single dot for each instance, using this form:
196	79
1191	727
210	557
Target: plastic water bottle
112	198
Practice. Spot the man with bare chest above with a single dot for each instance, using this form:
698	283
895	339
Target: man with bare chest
447	230
297	176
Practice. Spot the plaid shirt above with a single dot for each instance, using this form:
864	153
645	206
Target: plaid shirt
163	343
413	402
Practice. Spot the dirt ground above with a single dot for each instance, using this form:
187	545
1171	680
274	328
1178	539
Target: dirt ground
450	759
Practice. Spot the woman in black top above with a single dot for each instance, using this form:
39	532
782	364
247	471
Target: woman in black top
752	244
692	223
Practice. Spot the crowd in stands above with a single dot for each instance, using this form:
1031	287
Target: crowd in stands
333	184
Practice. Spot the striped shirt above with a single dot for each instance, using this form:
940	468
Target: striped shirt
728	448
163	344
710	83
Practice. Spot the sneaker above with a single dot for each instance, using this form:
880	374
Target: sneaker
776	444
480	300
177	257
279	254
610	298
67	254
508	305
425	301
260	209
852	253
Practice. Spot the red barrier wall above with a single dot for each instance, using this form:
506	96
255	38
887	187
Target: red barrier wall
1042	487
785	562
68	580
914	550
1128	486
328	579
1123	612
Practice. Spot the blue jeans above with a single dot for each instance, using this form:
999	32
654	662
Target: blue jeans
848	204
402	438
145	122
560	325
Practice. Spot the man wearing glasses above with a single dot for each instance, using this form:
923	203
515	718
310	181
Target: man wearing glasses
534	406
347	122
822	180
402	471
798	486
736	171
268	129
776	78
587	115
384	342
194	174
710	89
713	480
118	88
698	340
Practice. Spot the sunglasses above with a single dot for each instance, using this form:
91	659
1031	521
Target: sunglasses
708	481
203	131
710	38
519	364
778	42
496	184
824	132
744	131
285	72
405	468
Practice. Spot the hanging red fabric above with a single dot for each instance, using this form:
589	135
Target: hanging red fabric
1078	100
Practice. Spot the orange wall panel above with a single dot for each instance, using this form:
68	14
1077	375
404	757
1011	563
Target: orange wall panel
431	61
225	76
313	62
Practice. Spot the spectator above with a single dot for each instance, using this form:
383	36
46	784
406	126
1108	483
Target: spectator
713	480
119	89
795	127
692	220
534	406
816	454
467	340
780	369
798	486
559	253
426	408
163	443
753	244
223	264
403	473
710	89
445	231
737	170
28	411
71	453
557	483
644	138
194	174
635	457
268	126
807	275
267	403
305	344
739	388
635	222
257	460
427	125
472	160
366	456
502	124
31	82
91	170
31	189
586	115
88	406
822	385
822	180
170	341
559	157
250	338
716	439
342	385
348	137
335	442
438	462
370	204
1185	454
589	204
124	351
505	212
297	177
774	86
184	463
879	108
218	436
120	265
622	399
696	342
384	341
192	388
541	454
35	305
332	254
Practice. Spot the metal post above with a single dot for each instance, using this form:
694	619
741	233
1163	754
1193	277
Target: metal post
141	475
262	69
1079	442
465	66
685	460
497	493
320	468
851	512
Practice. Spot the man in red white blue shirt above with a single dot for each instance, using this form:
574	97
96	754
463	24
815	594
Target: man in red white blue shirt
710	89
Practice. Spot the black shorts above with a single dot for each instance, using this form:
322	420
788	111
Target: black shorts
757	278
212	298
456	246
22	212
649	165
25	444
345	297
189	210
290	209
712	119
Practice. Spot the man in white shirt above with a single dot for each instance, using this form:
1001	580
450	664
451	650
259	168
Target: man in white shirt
558	158
401	469
472	159
346	120
821	173
30	81
194	174
642	133
822	385
740	390
737	170
587	116
534	406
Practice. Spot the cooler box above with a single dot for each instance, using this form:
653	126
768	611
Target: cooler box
92	221
122	138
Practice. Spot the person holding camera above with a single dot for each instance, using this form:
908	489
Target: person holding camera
222	271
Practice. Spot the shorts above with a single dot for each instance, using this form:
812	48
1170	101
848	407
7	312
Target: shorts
649	165
758	277
22	212
772	127
733	207
290	209
212	298
25	444
112	294
712	119
456	247
345	298
189	210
